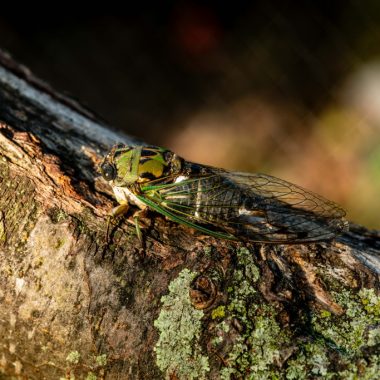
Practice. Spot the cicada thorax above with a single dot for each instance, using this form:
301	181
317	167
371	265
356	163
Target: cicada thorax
157	163
140	164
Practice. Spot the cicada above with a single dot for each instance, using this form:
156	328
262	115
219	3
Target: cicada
217	202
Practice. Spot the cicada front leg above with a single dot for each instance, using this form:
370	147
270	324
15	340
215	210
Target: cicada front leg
117	211
137	218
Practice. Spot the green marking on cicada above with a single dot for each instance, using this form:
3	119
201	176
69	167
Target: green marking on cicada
216	202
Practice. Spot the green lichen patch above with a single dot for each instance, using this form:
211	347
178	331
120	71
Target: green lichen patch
57	215
218	312
344	340
311	361
362	369
257	349
370	301
73	357
91	376
101	360
358	327
331	346
178	350
257	352
247	264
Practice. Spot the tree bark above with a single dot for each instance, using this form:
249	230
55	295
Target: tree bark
178	306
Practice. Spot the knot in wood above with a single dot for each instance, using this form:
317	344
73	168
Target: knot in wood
203	292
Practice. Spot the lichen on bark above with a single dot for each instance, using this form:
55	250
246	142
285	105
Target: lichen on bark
178	350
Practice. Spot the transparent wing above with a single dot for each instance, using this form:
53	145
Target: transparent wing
291	196
254	207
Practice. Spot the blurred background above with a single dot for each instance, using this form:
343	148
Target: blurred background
292	91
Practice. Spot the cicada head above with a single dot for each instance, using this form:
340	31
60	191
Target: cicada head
125	165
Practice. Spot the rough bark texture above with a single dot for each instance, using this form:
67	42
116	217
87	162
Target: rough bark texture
180	306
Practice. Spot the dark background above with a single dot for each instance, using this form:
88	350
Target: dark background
290	89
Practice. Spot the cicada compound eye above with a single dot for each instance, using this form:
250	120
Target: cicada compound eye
108	171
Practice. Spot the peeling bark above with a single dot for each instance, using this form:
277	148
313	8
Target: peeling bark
180	306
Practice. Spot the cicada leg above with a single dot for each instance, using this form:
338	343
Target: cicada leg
119	210
140	214
122	209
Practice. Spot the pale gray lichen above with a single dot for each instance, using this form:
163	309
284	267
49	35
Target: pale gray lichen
260	351
362	369
343	339
333	347
178	350
258	348
312	360
353	331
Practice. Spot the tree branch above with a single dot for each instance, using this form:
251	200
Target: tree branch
182	306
